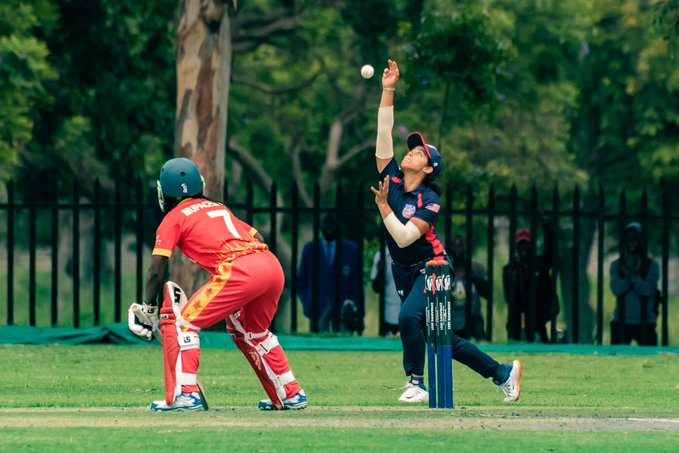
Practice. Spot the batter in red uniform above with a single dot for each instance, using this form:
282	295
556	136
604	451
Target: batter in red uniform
244	289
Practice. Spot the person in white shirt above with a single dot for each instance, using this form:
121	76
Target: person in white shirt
383	280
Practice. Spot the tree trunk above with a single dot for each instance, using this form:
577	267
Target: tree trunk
203	77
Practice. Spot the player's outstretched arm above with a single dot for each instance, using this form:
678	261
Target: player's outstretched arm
384	151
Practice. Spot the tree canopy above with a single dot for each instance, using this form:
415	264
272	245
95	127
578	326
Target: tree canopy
571	91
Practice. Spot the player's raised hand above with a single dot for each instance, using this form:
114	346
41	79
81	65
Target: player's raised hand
390	75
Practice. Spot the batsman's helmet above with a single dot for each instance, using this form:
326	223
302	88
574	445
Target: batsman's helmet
179	178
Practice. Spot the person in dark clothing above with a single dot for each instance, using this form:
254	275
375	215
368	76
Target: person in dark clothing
634	281
352	305
517	281
480	287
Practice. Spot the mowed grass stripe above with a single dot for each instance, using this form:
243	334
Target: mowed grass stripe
120	376
316	418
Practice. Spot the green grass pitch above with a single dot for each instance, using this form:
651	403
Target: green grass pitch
95	398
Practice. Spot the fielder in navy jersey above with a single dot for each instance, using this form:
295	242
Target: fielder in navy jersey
409	205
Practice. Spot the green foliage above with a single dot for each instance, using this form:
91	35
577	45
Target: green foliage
304	83
462	51
113	108
24	70
371	20
666	21
624	125
571	91
524	140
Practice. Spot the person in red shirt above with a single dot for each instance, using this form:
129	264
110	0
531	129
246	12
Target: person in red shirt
244	289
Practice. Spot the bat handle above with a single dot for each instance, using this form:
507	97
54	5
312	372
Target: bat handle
136	309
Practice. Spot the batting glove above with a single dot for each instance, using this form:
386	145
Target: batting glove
142	319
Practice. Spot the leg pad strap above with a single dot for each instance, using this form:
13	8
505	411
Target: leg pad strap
285	379
186	379
264	358
188	341
264	347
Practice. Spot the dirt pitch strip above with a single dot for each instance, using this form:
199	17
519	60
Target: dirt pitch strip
331	417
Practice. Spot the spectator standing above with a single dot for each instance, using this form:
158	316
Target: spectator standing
383	280
480	287
336	257
517	278
634	281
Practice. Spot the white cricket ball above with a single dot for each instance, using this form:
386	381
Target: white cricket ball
367	71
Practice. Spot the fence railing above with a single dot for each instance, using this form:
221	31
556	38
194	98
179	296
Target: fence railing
103	239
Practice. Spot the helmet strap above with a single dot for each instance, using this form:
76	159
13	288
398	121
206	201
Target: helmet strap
161	196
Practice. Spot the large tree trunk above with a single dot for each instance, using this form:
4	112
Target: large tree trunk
203	76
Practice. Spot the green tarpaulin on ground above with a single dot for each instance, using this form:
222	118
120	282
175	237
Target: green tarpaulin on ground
119	334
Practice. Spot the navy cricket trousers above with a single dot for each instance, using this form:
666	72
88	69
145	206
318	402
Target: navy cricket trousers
409	282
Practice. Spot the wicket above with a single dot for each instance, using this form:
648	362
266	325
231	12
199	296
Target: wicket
438	287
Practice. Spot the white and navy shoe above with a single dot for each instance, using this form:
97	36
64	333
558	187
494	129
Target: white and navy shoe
183	402
415	392
295	402
512	387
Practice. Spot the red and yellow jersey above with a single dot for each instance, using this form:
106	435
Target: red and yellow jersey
207	233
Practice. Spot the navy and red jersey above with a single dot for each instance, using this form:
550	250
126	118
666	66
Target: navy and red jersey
422	203
207	233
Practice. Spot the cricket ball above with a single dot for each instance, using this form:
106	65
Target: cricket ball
367	71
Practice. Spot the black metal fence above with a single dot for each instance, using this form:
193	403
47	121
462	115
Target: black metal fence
121	222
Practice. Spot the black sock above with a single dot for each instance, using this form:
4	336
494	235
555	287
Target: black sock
417	380
502	374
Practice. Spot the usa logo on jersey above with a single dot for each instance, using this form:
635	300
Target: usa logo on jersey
408	211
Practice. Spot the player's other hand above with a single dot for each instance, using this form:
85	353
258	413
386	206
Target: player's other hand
382	191
142	319
390	75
